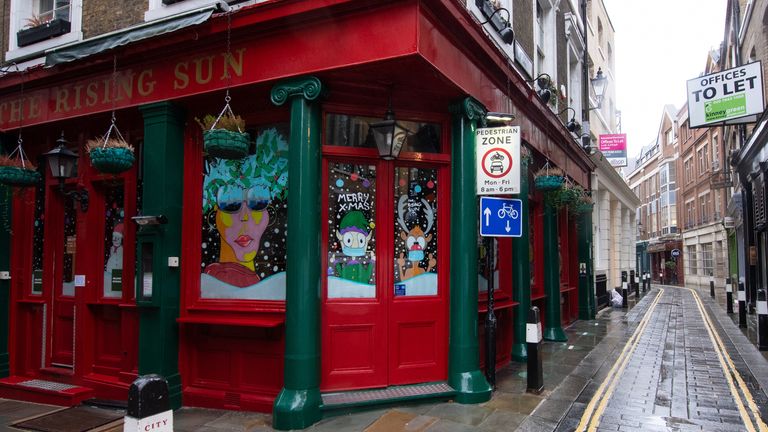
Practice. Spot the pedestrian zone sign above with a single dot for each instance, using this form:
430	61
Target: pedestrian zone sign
498	160
501	217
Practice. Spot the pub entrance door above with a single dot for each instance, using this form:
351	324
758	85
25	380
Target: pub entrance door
385	290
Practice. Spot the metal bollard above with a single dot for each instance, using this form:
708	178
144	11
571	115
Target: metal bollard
149	407
633	283
711	285
729	294
742	298
762	320
533	337
648	281
624	291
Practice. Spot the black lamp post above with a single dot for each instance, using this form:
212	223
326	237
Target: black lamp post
62	163
389	135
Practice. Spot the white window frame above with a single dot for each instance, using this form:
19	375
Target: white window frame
548	46
157	10
21	10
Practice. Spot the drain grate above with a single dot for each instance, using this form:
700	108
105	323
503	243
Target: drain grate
46	385
399	392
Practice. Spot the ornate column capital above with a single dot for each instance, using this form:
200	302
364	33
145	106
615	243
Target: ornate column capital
470	108
308	87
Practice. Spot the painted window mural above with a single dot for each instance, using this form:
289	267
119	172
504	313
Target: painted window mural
351	227
114	232
244	221
70	244
37	239
415	231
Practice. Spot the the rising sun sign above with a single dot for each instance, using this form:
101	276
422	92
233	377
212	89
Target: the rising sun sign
730	96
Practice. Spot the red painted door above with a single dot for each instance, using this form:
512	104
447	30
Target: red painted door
385	281
62	290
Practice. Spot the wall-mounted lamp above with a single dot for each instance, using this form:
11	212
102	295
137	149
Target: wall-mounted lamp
598	85
573	126
389	135
62	163
544	82
150	220
502	27
499	117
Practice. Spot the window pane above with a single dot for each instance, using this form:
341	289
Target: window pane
37	238
415	231
245	208
114	233
70	242
351	230
353	131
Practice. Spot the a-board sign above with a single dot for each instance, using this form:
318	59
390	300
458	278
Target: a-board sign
498	160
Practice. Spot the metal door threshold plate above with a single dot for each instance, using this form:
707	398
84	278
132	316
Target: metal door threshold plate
47	385
369	397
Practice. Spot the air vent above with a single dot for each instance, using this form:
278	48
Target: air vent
232	399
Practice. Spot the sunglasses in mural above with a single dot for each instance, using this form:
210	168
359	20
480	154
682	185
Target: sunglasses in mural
230	198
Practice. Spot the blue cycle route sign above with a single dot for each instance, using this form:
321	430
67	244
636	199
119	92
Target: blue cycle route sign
501	217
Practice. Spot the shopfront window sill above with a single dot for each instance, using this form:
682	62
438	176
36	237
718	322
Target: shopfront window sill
268	321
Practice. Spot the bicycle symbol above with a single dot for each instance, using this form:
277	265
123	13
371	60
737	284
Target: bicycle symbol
509	211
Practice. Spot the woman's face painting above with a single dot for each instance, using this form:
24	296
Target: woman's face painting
241	219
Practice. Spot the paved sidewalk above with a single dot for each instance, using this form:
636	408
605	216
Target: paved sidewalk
568	369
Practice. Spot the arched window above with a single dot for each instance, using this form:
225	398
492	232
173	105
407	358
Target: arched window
600	31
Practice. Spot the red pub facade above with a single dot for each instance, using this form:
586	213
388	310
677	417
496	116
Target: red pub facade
310	266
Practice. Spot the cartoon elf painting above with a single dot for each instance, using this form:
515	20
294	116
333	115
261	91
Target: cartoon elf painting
354	233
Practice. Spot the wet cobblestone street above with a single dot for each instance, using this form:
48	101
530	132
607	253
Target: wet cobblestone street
674	376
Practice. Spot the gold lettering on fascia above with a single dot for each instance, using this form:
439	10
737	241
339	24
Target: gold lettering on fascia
68	98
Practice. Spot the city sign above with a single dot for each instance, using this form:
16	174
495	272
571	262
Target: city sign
731	96
675	253
501	217
498	160
614	148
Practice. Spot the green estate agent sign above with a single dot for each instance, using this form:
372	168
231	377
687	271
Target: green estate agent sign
725	108
731	96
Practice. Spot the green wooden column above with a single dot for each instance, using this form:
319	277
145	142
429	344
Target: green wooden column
587	281
521	271
464	356
553	329
162	194
6	199
298	404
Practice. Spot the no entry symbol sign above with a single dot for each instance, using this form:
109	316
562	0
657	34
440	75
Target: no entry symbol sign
498	160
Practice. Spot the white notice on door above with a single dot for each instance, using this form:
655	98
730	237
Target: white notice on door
79	280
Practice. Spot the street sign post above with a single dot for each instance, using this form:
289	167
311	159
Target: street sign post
501	217
498	160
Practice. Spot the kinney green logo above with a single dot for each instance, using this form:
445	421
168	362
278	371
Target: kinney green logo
725	108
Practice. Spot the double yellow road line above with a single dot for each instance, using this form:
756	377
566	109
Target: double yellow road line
591	417
731	374
743	398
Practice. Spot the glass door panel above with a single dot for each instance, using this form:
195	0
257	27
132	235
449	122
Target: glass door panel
351	264
416	238
114	233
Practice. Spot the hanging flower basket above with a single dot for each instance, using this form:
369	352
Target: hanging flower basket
548	178
112	160
111	155
226	144
18	176
583	204
223	136
17	171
